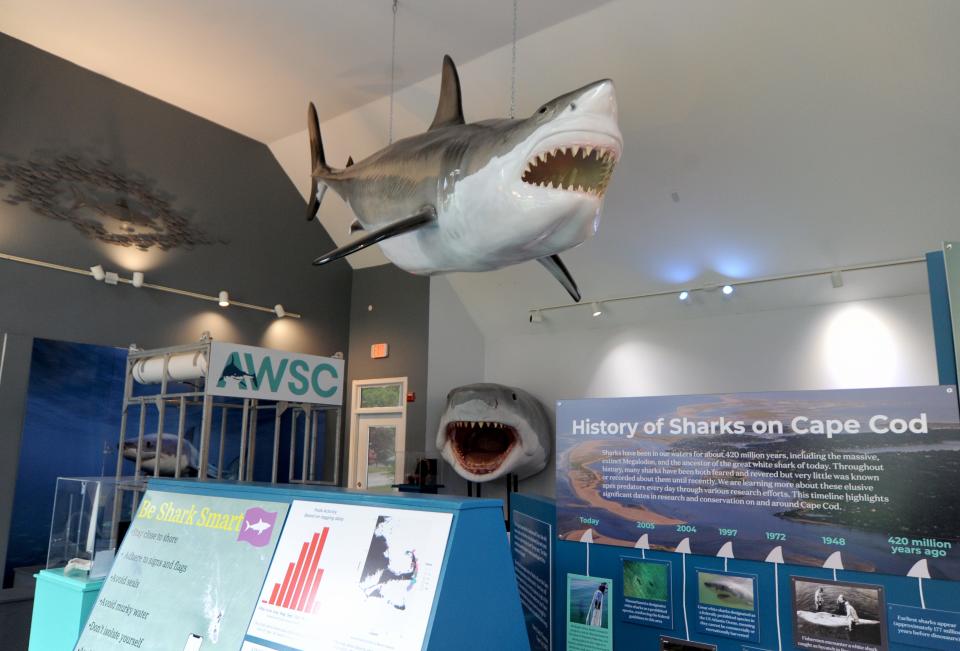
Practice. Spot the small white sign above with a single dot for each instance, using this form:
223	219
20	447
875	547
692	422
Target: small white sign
251	372
347	576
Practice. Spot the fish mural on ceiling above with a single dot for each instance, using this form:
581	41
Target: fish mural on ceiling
483	195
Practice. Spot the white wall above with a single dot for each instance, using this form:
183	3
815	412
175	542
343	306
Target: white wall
455	357
873	343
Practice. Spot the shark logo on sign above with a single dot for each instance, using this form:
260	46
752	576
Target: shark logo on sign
250	372
257	527
233	371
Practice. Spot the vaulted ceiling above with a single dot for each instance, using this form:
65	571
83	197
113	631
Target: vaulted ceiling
761	138
252	65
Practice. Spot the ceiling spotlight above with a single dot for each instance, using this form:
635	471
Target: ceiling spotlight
597	310
279	311
536	316
98	273
836	279
224	299
727	290
137	280
111	278
684	295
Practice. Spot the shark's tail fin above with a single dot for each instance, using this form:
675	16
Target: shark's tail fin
318	163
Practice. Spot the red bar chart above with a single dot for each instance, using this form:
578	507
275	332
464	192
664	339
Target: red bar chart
299	587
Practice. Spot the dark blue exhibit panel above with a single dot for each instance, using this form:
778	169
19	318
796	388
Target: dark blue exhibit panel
477	606
913	613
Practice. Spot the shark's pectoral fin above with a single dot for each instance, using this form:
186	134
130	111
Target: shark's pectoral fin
559	271
406	225
450	106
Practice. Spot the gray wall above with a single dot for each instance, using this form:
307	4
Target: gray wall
234	189
400	317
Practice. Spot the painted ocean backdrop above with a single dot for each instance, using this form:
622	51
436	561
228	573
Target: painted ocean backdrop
923	512
72	427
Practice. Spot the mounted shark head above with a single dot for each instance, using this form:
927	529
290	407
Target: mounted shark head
490	430
485	195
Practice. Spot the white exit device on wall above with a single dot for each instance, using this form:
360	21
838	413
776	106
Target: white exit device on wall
379	351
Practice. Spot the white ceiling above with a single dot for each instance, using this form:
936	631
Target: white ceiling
252	65
798	135
801	134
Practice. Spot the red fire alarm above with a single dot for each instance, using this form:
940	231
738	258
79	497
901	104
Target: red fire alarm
379	351
411	397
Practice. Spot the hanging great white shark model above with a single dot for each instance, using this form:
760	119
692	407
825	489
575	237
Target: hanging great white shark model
484	195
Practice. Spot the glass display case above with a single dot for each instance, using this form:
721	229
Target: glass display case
87	524
422	473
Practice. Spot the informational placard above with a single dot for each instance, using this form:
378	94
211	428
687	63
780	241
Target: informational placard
647	596
348	577
589	610
250	372
187	575
531	543
924	628
727	605
867	473
838	616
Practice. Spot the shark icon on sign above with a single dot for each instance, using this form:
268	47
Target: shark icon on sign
257	527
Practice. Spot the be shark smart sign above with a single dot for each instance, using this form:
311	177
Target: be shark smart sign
249	372
187	575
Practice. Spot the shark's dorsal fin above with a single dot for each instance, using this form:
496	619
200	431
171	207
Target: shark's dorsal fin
450	107
426	216
349	161
355	226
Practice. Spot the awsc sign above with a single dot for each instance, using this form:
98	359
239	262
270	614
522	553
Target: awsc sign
250	372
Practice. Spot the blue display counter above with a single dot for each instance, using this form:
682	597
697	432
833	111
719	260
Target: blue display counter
61	605
234	550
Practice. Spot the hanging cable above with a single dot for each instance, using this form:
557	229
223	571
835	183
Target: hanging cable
513	65
393	71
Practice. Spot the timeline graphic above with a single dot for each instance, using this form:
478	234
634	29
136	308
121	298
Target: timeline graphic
298	590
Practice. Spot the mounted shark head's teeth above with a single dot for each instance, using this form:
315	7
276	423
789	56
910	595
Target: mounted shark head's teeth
480	447
575	168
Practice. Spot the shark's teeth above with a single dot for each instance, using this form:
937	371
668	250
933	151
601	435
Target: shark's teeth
582	168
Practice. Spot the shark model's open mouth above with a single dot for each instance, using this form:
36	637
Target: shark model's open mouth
481	446
578	168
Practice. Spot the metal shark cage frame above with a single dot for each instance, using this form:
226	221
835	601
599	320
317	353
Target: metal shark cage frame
182	395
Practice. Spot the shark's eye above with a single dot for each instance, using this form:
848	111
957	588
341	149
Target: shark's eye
514	396
573	106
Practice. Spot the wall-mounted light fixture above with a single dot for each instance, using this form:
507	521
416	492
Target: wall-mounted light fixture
537	314
98	273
